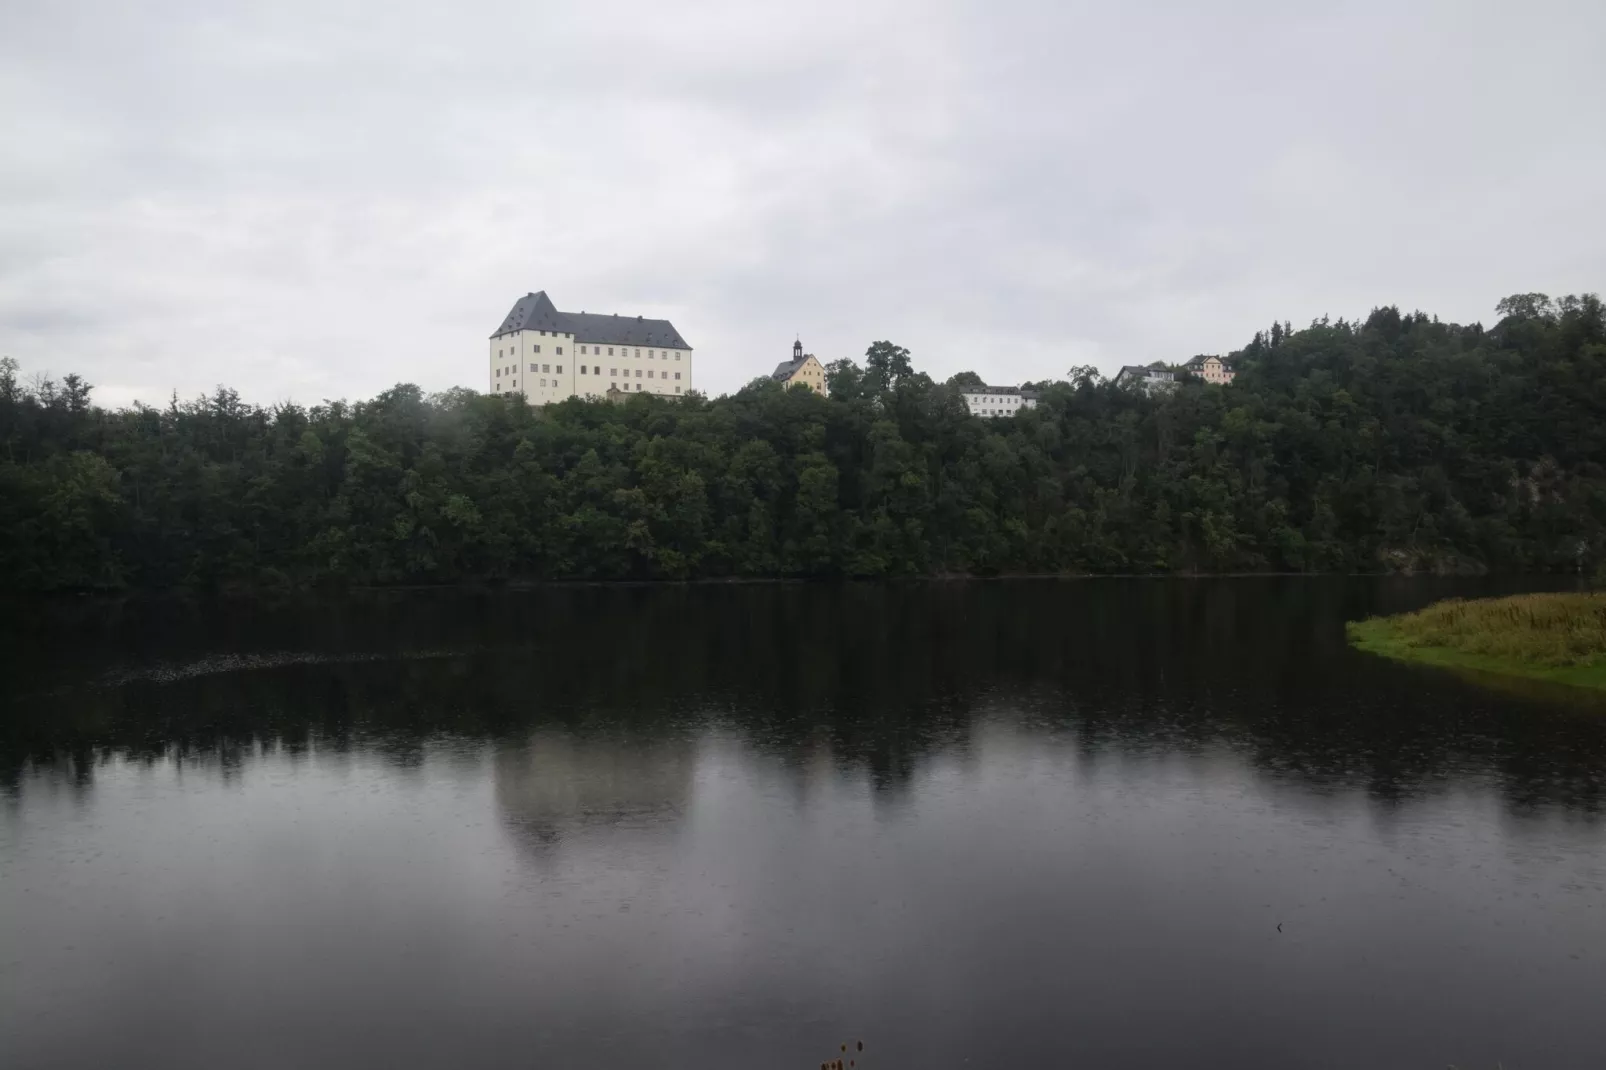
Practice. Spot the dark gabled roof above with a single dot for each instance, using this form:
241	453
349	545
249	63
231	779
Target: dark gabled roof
1198	362
1145	372
622	330
990	390
535	312
788	368
532	312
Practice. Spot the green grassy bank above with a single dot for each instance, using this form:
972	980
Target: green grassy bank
1556	637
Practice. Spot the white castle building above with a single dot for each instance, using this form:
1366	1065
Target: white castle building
548	355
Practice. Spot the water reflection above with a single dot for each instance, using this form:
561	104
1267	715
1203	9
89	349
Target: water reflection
557	784
873	675
1037	824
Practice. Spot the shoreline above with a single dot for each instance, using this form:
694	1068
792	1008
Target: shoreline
529	584
1381	636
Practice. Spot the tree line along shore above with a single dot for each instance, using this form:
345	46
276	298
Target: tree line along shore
1394	443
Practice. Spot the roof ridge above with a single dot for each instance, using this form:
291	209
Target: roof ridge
536	311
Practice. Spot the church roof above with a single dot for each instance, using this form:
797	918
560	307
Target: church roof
788	368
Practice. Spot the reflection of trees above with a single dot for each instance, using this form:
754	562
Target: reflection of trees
559	781
879	676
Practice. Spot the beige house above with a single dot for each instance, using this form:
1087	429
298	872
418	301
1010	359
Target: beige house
802	368
1211	370
548	355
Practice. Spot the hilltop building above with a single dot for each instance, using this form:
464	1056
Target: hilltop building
548	355
998	400
802	368
1212	370
1146	378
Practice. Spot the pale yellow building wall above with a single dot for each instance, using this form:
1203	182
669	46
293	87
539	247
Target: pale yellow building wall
636	369
811	373
545	367
537	364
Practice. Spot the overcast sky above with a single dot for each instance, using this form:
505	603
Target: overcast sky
309	199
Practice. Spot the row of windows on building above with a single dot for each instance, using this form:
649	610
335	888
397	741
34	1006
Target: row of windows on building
594	370
626	387
595	350
597	370
542	384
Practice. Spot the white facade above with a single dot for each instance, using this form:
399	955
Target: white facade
537	364
1150	379
636	369
585	356
998	400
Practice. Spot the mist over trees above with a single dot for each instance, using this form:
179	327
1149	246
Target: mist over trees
1397	443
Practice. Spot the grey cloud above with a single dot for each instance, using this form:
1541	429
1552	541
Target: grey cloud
310	199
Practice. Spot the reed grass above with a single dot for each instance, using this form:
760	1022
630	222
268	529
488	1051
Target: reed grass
1559	637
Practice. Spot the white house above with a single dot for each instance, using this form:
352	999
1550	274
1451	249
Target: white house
1146	378
998	400
548	355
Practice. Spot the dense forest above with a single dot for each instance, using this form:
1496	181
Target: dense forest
1395	444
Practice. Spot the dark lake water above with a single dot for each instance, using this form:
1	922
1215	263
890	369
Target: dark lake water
1011	824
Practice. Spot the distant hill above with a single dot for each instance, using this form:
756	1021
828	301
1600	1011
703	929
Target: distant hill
1396	443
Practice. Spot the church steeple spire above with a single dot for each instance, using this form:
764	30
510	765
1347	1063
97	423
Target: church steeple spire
797	349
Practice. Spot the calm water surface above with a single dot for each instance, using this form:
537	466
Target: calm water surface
982	824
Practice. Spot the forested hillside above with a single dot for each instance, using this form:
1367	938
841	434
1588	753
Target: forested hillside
1400	443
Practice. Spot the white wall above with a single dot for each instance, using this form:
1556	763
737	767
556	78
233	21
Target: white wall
992	403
